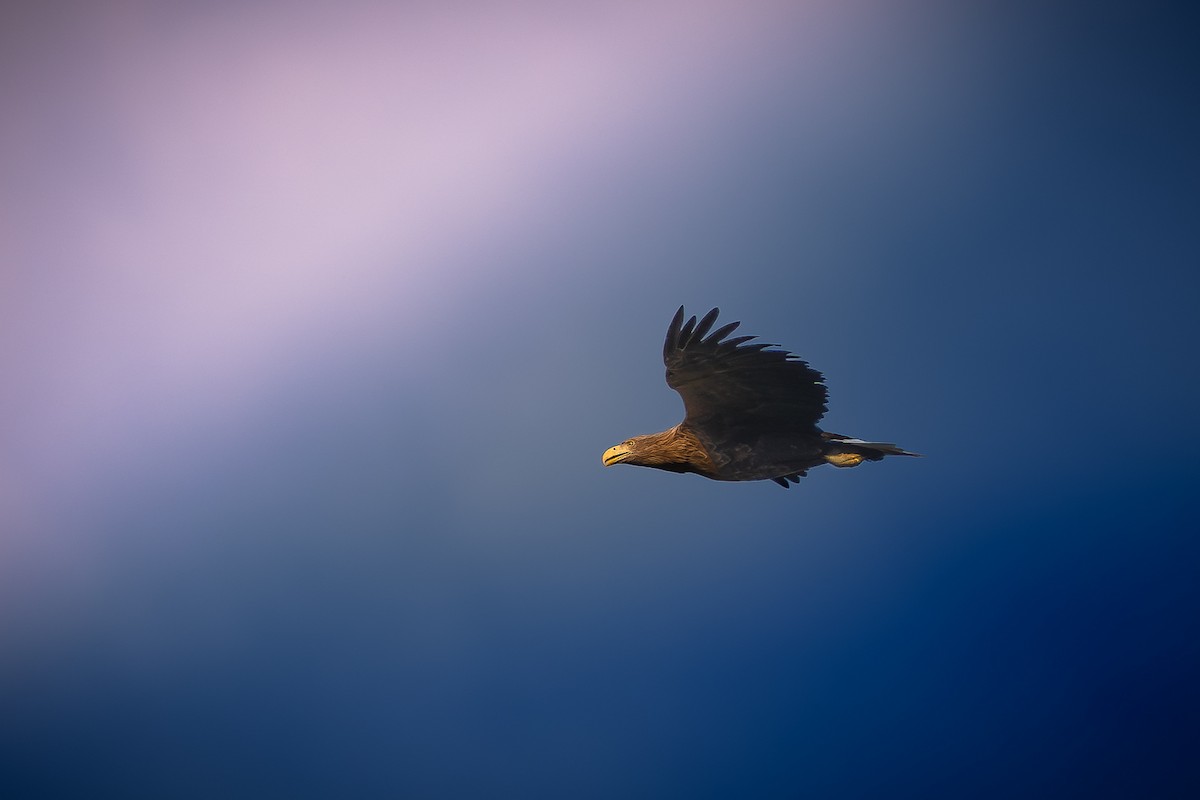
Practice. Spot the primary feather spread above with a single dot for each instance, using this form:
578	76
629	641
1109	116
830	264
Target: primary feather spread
751	412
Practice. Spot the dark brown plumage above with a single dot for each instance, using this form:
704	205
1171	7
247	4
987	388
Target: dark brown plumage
751	412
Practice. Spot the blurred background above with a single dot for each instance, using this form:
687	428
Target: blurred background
316	317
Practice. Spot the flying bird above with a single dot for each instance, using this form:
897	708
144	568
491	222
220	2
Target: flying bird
751	412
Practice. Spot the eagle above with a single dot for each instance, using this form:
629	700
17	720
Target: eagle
751	412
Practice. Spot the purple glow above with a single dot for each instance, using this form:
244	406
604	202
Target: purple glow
194	190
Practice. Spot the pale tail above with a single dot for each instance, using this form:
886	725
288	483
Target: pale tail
877	449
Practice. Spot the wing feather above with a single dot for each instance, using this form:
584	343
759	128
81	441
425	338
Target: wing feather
672	342
733	384
685	335
722	332
705	325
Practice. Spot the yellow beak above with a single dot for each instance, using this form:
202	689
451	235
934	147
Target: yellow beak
615	455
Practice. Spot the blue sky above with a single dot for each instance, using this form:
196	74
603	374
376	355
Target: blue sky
318	317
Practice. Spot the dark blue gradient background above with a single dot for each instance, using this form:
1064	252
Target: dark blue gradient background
286	541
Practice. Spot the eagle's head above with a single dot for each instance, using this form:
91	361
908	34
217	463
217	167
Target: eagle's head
666	450
623	453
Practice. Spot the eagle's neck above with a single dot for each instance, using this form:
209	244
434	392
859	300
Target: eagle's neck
676	450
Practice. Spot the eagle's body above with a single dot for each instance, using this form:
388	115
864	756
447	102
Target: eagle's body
751	412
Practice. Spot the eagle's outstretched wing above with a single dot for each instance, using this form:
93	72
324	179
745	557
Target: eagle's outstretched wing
727	383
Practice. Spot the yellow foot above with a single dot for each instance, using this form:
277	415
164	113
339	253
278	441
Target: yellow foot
844	459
